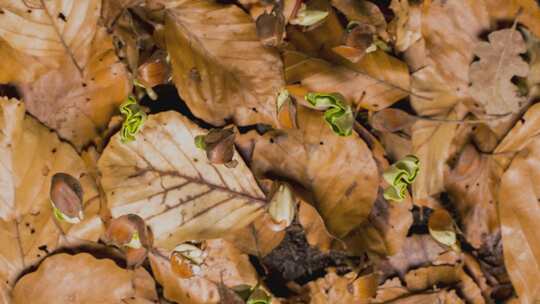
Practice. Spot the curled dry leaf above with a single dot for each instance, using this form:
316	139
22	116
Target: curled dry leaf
343	289
316	233
166	180
519	213
491	76
98	281
69	76
223	263
220	67
31	155
319	160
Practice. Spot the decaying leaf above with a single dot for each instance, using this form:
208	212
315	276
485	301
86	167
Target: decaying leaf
316	158
259	238
165	179
220	67
223	263
98	281
30	155
316	234
499	62
519	213
70	78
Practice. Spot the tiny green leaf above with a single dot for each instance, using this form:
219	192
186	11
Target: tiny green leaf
306	17
338	113
199	142
134	118
259	296
400	175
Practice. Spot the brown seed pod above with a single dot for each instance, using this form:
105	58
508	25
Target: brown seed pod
66	195
219	145
153	72
186	260
129	230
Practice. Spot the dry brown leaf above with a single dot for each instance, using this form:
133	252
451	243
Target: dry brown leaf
97	281
316	233
375	82
69	76
491	75
439	297
223	262
30	155
165	179
510	10
426	277
319	160
407	25
220	68
519	213
418	250
386	230
471	184
364	12
257	238
343	289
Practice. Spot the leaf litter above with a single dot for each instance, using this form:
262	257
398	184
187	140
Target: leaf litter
287	151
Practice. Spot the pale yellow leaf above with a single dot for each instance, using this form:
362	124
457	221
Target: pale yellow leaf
220	68
164	178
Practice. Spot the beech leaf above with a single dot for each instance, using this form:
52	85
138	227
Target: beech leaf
30	155
400	175
338	113
491	75
220	67
165	179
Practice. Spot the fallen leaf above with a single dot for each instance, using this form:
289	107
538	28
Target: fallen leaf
316	158
165	179
30	156
70	78
407	25
342	289
491	75
316	233
224	263
52	282
510	10
519	213
471	185
258	238
439	297
382	79
220	67
364	12
417	250
443	228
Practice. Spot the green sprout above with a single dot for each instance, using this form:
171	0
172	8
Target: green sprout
400	175
134	118
338	113
252	295
199	142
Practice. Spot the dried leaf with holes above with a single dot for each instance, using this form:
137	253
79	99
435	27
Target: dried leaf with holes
31	155
69	76
166	180
220	67
491	76
98	281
